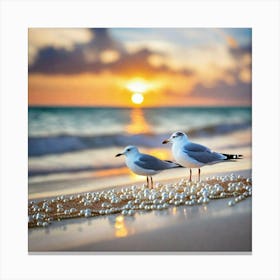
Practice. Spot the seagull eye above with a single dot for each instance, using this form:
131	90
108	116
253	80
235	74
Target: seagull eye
128	150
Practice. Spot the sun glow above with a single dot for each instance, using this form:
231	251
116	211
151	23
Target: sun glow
137	98
138	86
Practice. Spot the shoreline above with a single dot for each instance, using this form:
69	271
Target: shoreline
88	183
209	226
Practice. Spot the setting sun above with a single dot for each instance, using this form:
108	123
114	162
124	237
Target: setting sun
137	98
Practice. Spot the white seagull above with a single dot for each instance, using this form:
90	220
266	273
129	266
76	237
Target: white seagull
145	165
192	155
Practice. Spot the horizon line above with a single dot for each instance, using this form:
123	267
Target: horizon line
138	107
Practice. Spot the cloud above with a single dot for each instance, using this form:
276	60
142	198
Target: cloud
243	57
138	63
109	56
240	52
102	53
234	84
186	63
87	57
223	93
57	38
232	42
225	34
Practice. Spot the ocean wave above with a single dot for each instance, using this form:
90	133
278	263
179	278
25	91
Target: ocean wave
39	146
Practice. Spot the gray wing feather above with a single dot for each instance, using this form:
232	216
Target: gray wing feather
195	147
152	163
205	157
201	153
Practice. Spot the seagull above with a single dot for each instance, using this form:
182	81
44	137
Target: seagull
145	165
193	155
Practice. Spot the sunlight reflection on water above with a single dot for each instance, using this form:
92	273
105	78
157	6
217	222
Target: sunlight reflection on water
120	227
138	123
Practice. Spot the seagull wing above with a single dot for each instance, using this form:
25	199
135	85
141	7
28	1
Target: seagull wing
190	146
153	163
201	153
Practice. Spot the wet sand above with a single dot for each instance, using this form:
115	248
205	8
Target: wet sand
214	227
43	190
201	228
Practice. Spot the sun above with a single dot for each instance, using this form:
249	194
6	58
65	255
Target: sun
137	98
138	87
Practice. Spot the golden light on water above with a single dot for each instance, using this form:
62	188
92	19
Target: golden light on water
120	227
110	172
138	123
119	222
137	98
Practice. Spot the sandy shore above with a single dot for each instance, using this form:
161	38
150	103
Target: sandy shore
213	227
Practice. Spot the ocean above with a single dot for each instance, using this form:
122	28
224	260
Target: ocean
64	143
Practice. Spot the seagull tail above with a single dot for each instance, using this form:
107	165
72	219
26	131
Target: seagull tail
230	156
174	164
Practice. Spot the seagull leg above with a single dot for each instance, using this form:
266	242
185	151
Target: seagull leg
147	181
152	183
190	178
198	174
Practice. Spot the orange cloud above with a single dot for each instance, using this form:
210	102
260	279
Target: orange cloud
109	56
245	75
231	42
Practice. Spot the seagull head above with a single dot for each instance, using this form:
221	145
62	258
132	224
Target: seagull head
176	137
128	151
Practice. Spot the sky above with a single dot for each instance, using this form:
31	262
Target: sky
146	67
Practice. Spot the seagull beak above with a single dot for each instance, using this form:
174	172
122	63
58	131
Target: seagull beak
165	141
118	155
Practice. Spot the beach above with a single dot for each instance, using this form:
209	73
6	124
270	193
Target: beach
71	161
211	227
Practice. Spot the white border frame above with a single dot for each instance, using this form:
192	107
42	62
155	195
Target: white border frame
262	16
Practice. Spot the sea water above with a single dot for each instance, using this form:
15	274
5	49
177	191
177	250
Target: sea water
67	141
